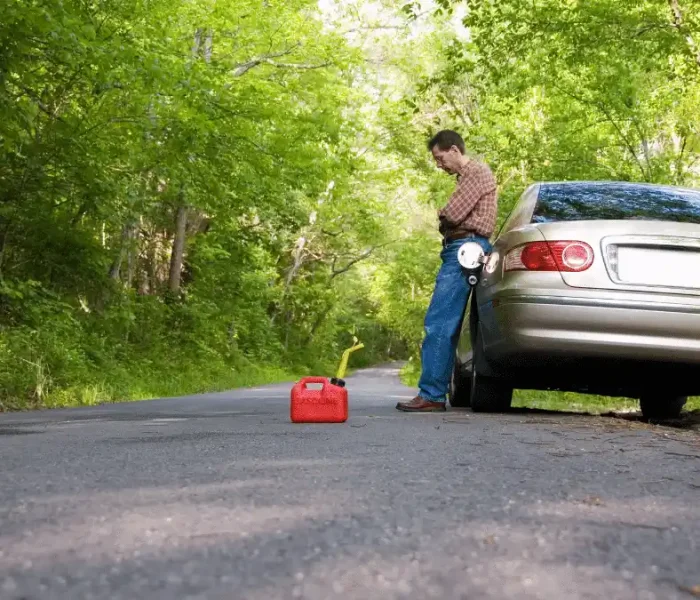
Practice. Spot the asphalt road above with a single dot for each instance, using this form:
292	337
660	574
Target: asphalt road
220	496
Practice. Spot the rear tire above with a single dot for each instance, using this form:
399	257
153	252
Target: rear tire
461	384
488	394
659	407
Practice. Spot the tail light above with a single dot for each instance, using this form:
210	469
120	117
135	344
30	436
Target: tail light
567	256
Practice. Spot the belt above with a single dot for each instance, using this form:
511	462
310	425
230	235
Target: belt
459	236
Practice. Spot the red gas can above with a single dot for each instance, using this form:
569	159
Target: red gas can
327	405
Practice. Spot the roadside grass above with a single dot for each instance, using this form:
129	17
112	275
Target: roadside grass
123	385
145	378
556	401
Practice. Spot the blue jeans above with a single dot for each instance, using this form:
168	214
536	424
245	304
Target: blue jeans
443	322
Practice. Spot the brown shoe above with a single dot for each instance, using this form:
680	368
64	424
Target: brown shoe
419	404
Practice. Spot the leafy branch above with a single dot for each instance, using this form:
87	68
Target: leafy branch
268	59
680	26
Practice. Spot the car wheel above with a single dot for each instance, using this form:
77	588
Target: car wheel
660	407
460	384
489	394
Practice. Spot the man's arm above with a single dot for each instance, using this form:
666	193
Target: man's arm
471	188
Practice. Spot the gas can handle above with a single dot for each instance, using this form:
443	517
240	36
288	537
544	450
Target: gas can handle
308	380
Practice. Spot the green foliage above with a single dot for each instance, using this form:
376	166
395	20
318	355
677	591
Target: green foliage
191	189
227	130
594	90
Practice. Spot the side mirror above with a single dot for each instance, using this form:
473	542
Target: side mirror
471	257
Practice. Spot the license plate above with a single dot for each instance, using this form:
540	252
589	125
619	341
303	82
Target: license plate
659	267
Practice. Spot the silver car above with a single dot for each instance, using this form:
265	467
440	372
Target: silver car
591	287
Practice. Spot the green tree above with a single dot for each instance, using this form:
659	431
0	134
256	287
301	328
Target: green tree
180	194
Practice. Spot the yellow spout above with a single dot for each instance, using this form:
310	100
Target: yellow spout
346	356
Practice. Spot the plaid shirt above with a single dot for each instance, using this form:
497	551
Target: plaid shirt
473	205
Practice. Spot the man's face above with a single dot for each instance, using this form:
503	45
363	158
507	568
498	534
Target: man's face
448	160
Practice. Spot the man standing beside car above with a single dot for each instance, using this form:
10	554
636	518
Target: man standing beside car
469	215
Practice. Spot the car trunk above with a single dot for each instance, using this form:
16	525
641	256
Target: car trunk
657	256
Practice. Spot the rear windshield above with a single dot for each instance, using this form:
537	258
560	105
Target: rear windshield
579	202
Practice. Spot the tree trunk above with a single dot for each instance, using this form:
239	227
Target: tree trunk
208	46
152	266
679	24
178	253
197	42
130	257
299	257
320	318
115	269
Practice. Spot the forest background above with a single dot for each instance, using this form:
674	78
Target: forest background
202	194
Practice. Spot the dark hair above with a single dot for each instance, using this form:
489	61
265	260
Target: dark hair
445	139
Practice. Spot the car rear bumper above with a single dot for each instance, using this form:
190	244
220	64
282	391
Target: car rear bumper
570	326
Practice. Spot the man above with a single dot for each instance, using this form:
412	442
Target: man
469	215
